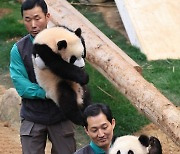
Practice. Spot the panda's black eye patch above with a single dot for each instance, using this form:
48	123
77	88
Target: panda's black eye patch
73	59
62	44
118	152
130	152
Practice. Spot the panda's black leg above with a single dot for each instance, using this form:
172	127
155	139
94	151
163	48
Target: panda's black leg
68	103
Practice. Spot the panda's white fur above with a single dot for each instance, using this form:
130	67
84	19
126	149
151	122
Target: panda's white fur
45	77
126	143
50	37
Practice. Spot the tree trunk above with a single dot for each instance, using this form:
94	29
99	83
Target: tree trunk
120	70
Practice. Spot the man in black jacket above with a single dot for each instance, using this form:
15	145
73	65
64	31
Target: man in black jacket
99	126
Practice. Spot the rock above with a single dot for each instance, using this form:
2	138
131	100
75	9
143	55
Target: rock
10	106
2	90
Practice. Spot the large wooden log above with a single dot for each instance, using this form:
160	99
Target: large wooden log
108	59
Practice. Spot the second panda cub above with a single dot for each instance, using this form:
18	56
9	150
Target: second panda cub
58	59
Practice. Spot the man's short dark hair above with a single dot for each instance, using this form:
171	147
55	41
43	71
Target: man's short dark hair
95	109
29	4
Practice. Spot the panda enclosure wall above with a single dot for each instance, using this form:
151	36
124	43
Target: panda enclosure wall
120	70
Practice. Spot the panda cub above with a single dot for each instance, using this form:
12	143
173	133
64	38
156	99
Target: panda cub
130	144
58	60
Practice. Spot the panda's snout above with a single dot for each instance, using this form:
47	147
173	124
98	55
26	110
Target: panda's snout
79	62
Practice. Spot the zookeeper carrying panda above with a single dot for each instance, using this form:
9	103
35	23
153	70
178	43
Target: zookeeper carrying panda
40	117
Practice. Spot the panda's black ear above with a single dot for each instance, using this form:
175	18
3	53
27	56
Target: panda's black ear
62	44
144	140
78	32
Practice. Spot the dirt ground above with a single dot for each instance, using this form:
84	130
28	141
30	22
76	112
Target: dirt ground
9	136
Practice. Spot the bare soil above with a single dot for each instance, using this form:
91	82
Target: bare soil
9	136
9	139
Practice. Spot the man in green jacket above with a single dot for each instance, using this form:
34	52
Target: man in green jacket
41	118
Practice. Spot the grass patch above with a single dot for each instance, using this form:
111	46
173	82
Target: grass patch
15	29
4	55
10	28
11	23
165	75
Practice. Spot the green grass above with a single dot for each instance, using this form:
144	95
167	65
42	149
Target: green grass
11	27
164	75
4	55
11	23
8	32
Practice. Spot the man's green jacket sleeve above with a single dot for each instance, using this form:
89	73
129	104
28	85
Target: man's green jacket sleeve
19	76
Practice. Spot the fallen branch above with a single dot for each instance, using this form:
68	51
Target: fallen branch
105	92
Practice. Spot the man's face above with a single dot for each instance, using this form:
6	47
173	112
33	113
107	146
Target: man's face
35	20
100	130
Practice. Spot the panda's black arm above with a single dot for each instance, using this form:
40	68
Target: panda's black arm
69	72
60	67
